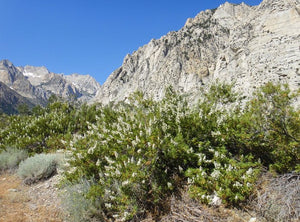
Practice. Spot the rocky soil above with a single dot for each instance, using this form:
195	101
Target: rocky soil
36	203
40	203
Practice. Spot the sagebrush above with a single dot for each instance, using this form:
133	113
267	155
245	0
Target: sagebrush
11	157
38	167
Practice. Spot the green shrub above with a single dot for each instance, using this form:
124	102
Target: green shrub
46	127
220	178
141	153
77	207
39	167
11	158
268	128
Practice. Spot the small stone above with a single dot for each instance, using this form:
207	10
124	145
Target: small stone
253	219
33	207
12	190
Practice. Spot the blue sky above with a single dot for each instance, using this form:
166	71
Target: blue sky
88	36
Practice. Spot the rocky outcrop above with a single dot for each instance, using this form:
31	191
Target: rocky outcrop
239	44
85	84
10	100
264	48
13	78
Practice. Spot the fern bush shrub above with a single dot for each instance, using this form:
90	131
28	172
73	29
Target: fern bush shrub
221	179
140	153
268	128
47	128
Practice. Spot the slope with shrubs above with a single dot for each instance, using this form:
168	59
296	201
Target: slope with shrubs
139	154
134	156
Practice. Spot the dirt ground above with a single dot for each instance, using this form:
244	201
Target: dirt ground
22	203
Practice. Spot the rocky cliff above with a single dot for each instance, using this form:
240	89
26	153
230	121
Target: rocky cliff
239	44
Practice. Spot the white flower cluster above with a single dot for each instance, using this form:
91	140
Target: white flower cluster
222	168
215	174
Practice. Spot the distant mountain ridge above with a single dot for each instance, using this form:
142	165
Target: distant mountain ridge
235	43
37	84
10	100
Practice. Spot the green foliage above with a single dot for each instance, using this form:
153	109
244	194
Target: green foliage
11	157
23	109
47	129
268	128
138	154
38	167
221	178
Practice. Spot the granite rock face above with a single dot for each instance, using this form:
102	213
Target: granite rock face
240	44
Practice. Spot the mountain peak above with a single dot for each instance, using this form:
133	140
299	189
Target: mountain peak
86	83
225	11
37	83
6	63
233	11
35	71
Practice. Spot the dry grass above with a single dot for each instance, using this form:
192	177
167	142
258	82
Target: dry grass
278	199
184	209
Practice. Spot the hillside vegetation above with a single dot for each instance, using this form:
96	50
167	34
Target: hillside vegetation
125	161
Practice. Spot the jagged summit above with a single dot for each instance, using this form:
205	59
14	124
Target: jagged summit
226	10
14	79
35	71
229	13
241	44
6	63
